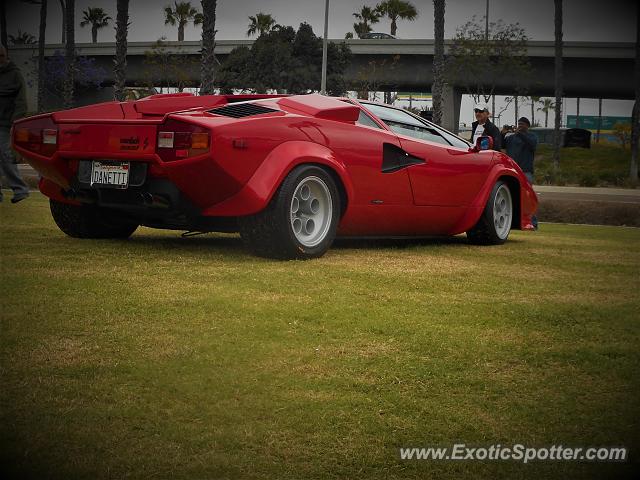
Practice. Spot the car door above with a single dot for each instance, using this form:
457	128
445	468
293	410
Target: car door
449	174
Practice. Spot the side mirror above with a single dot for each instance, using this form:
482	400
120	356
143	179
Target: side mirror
484	143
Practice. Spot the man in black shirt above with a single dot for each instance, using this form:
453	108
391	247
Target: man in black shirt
483	127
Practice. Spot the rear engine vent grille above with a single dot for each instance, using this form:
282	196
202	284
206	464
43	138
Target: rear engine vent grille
242	110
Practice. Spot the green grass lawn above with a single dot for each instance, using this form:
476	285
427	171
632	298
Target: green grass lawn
168	357
602	165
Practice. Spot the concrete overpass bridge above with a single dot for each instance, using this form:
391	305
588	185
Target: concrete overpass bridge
591	69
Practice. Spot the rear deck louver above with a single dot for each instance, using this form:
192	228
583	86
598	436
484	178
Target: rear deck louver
242	110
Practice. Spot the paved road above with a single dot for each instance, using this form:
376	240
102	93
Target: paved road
545	192
585	194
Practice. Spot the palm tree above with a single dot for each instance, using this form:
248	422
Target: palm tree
120	63
397	9
366	17
22	38
69	54
438	59
98	19
534	101
547	106
63	9
361	28
261	23
558	83
41	65
208	45
181	13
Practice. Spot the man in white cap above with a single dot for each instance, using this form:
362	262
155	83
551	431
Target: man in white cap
483	127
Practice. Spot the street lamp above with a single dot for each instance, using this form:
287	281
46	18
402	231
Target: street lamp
323	82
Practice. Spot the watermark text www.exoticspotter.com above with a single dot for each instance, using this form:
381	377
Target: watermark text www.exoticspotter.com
517	453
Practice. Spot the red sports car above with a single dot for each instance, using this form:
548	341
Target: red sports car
287	172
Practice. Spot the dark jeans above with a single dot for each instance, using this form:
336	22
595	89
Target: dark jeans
8	167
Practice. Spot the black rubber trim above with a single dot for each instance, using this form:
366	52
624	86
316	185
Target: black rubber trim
394	158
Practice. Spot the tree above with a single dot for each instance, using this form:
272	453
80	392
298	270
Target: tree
371	78
63	9
120	61
208	46
22	38
622	131
169	67
478	64
181	13
534	101
86	75
438	59
41	65
547	106
557	83
261	23
395	10
286	61
635	118
366	17
3	25
98	19
70	48
360	29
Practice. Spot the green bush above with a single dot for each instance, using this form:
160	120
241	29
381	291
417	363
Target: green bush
601	165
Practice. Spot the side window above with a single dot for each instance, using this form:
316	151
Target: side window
453	140
405	124
420	133
366	120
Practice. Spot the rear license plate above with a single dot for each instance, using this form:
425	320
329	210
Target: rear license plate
109	174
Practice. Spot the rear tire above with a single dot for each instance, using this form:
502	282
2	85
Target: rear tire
89	221
301	220
494	224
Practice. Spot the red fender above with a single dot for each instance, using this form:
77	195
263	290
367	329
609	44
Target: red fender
528	199
258	191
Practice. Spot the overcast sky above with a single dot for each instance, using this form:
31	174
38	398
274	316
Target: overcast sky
584	20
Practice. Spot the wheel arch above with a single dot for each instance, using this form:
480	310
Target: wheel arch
263	184
514	188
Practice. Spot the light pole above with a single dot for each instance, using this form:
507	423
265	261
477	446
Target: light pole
323	83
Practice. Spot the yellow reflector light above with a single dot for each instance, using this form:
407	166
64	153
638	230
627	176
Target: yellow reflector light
200	140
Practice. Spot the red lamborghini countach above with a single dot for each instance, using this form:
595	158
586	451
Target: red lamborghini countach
287	172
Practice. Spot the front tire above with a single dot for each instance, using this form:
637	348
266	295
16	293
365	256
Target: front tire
89	221
494	224
301	220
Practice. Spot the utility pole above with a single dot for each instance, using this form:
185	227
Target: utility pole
323	83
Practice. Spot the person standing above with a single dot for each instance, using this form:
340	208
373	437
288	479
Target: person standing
483	127
13	105
521	146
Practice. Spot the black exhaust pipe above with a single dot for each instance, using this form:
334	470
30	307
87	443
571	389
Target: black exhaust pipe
154	201
81	197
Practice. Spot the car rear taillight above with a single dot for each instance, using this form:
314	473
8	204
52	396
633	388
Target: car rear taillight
178	140
39	135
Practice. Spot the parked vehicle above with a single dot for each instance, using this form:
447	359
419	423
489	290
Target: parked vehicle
287	172
377	36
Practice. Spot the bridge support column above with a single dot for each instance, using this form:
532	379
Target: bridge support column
451	100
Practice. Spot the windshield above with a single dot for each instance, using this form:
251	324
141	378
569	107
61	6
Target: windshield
404	123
